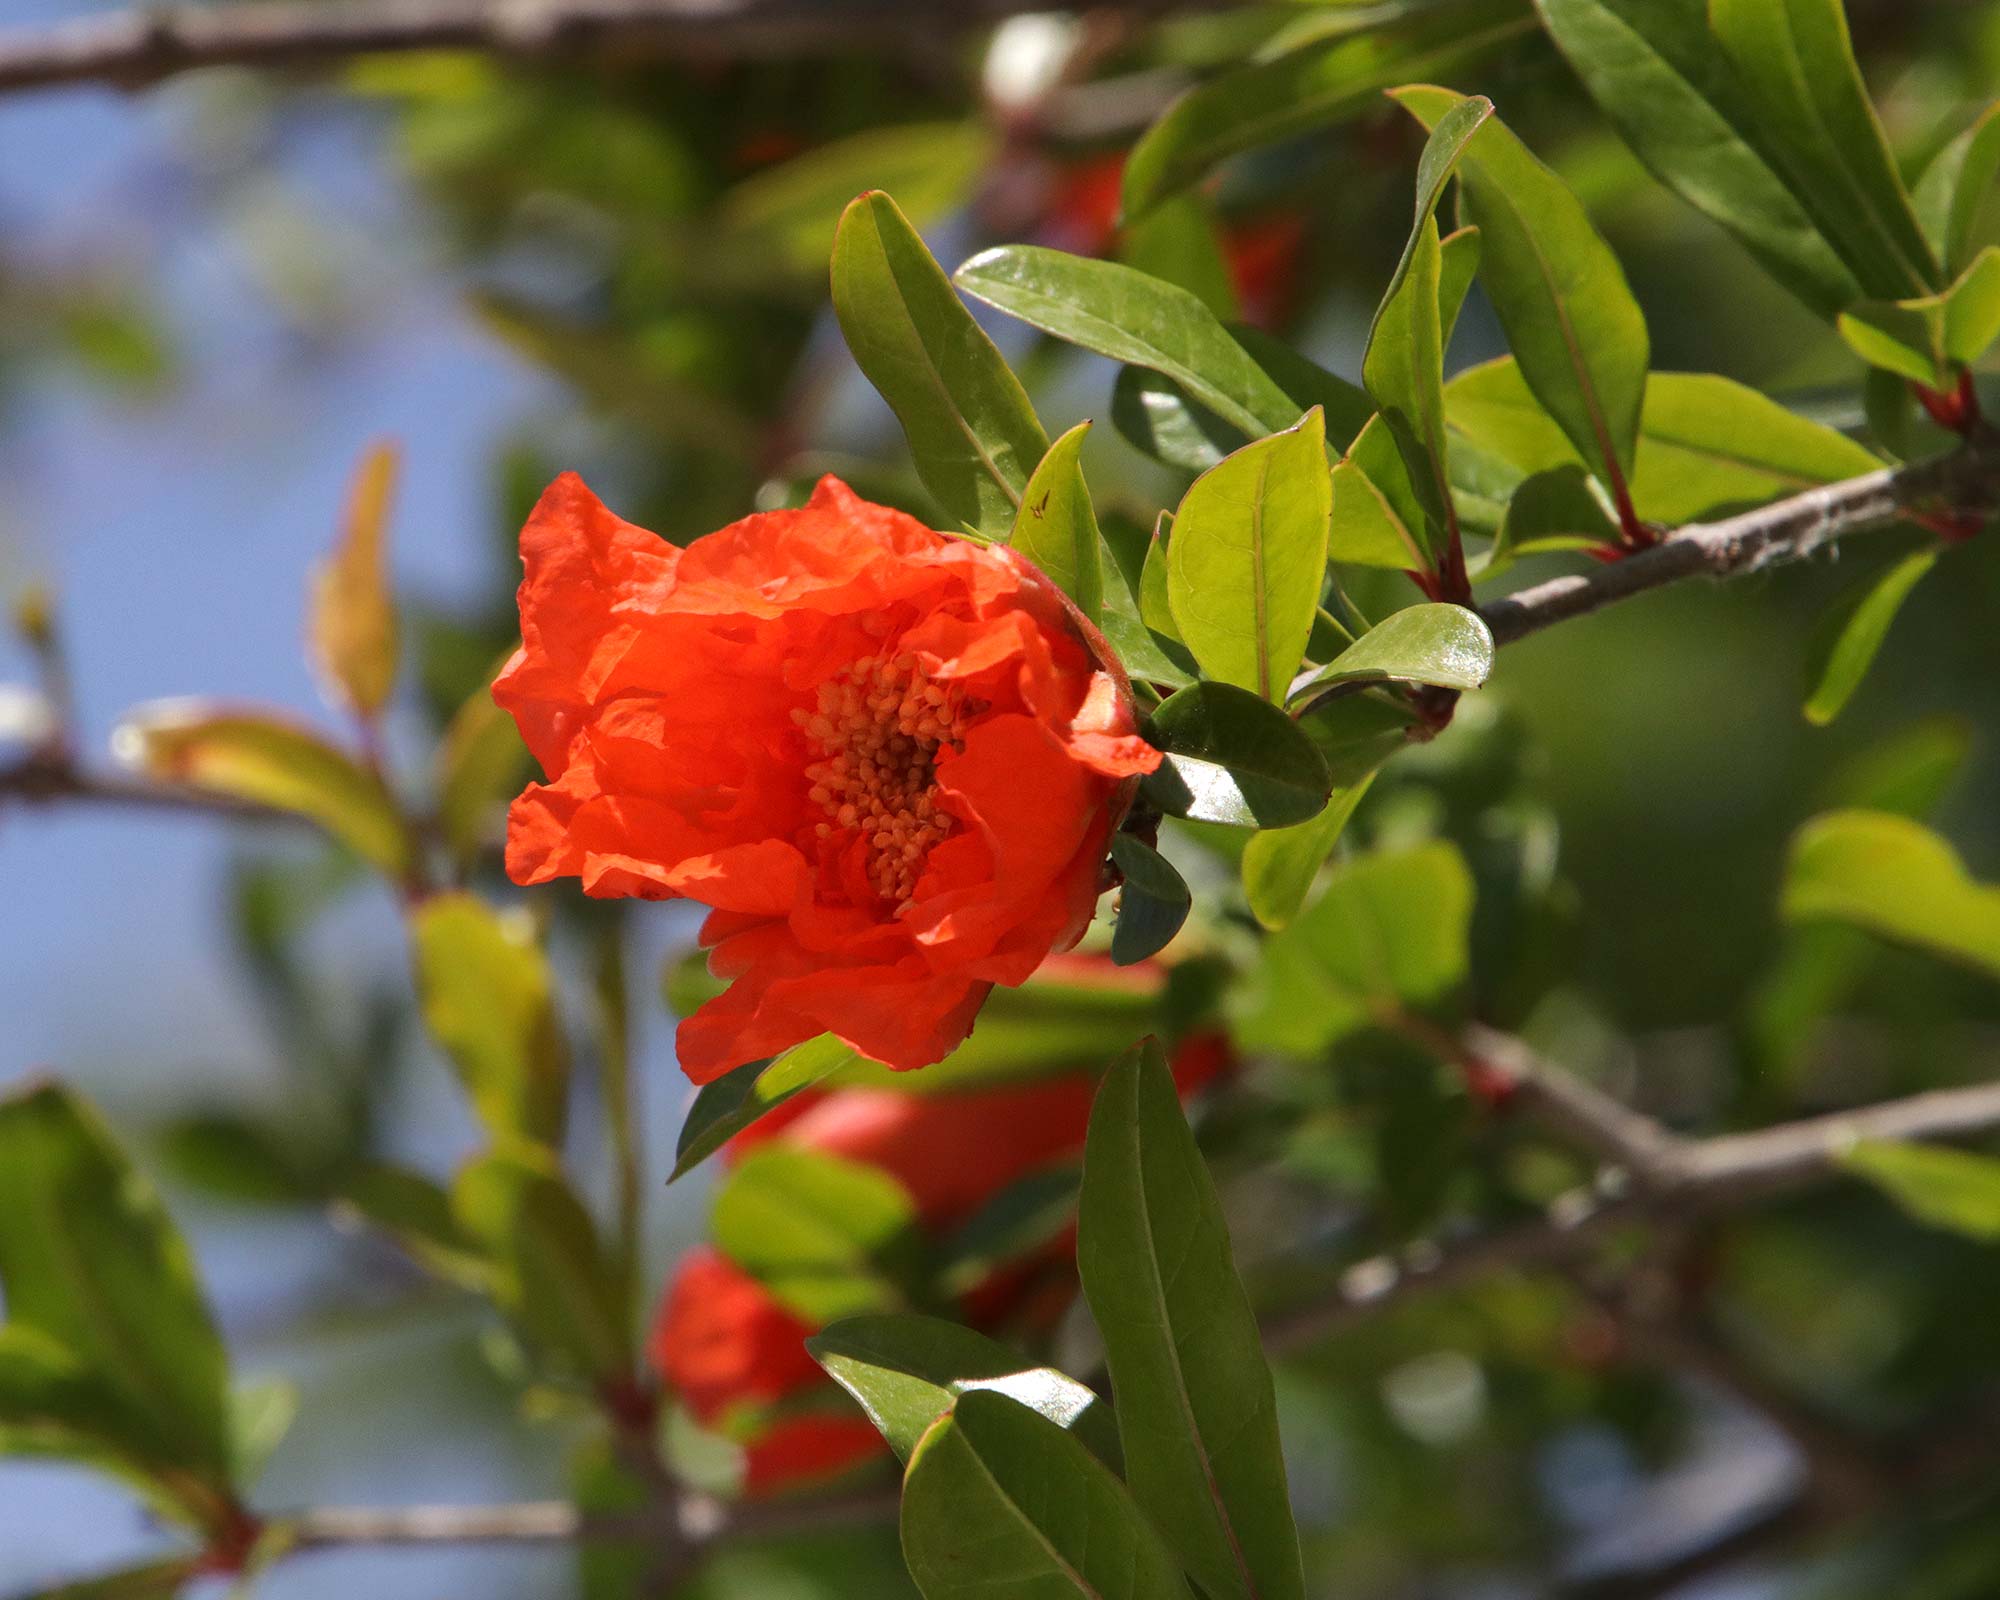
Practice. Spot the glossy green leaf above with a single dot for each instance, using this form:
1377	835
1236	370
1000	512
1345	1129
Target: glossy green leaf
551	1275
1559	292
1951	1189
1056	527
1707	446
1927	340
1811	112
1376	518
1156	417
1320	83
1654	70
90	1262
1152	905
1897	879
488	999
724	1108
1849	645
1121	313
351	625
906	1371
999	1500
263	760
1234	758
1196	1411
830	1238
1391	930
1280	864
1955	186
1403	365
972	432
1445	645
1248	555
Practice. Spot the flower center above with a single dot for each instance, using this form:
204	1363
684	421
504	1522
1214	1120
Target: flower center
881	722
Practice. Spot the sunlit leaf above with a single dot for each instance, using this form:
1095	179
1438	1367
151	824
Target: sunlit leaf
1056	528
1279	864
724	1108
1445	645
1951	1189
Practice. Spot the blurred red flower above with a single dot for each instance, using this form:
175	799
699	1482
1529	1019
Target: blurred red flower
888	760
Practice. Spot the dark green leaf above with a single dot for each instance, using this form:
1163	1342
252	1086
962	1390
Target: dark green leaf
1121	313
1196	1412
1177	244
90	1261
1560	508
1026	1219
417	1213
1232	757
1152	905
828	1237
999	1500
735	1100
489	1000
1848	647
1811	112
1897	879
907	1370
1309	384
1279	864
1248	555
1056	528
972	432
1955	186
1445	645
1324	81
1403	365
1654	69
1355	734
1560	295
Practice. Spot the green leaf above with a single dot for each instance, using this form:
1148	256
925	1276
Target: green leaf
1196	1411
1928	339
1376	518
1445	645
1057	529
1123	314
488	1000
1152	905
1811	112
972	432
154	1580
1458	265
1177	244
551	1276
417	1214
1234	758
999	1500
1849	645
1403	365
351	625
1279	864
1559	292
481	764
1309	384
1951	1189
1322	82
1392	930
1560	508
51	1406
1955	186
1707	446
1653	68
260	1415
1155	415
828	1237
1897	879
1247	557
906	1371
724	1108
1025	1220
263	760
91	1262
1355	734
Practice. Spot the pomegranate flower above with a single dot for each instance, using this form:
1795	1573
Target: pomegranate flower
889	761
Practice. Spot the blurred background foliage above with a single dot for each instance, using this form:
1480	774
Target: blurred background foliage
645	241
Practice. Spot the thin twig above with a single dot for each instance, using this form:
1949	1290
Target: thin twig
1966	480
140	47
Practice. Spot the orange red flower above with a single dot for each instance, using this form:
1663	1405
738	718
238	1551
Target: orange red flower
889	761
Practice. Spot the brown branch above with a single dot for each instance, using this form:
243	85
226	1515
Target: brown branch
136	48
46	779
1965	480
